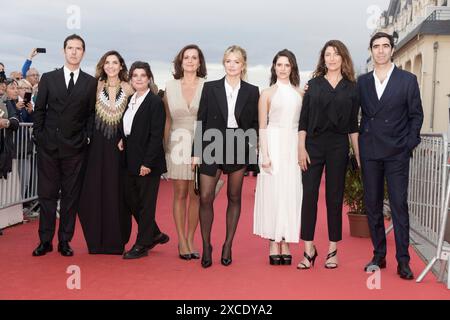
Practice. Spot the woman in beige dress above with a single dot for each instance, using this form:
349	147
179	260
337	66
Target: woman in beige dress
182	100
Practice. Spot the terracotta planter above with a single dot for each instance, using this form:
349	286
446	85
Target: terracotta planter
359	227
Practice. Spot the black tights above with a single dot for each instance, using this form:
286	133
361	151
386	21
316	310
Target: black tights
207	195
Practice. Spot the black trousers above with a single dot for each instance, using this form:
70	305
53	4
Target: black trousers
57	174
139	196
329	150
396	171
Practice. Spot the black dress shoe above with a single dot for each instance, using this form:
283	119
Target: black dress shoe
404	271
376	262
207	257
42	249
136	252
65	249
160	239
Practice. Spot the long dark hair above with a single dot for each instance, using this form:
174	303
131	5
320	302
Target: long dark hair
294	77
347	69
178	62
100	73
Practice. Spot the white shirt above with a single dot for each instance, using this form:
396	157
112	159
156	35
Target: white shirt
231	101
380	87
67	72
133	108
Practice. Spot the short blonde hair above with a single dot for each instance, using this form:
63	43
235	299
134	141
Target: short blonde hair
243	55
24	83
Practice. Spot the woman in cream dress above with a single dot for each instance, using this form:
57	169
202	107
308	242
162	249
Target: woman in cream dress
182	100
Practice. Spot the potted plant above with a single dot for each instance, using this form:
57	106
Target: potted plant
354	200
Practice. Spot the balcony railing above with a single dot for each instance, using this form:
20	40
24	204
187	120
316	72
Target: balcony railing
439	14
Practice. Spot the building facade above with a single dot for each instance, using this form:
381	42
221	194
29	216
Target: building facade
422	32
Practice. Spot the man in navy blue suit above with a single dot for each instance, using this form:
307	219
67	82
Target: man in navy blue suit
392	117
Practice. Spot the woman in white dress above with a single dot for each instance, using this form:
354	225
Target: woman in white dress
279	186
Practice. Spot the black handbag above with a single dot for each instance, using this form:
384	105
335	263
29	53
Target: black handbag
197	180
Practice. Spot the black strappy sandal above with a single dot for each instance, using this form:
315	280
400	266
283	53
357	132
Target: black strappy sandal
331	265
312	260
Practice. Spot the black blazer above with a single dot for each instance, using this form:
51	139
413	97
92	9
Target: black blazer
64	122
390	126
144	145
213	114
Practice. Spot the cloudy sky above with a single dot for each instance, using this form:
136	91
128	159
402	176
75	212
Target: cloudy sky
155	30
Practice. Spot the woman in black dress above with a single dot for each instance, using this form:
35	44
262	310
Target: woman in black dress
99	202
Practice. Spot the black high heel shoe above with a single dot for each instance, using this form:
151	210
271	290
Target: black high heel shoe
186	256
275	260
331	265
312	260
226	261
286	259
195	255
207	260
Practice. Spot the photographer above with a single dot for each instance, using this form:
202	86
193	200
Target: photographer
31	74
24	103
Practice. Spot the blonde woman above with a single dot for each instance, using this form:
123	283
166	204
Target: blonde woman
227	116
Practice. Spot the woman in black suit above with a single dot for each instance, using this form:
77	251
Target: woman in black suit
142	131
228	116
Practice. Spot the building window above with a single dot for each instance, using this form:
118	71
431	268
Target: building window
418	68
408	66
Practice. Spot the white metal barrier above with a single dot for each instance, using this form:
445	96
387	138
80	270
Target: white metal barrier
428	197
20	186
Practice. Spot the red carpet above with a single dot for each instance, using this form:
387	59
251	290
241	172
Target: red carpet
162	275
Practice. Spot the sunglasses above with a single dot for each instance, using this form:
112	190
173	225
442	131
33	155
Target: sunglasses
9	81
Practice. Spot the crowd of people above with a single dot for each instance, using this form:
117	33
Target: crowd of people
104	141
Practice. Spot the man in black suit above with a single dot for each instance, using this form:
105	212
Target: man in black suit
63	121
392	117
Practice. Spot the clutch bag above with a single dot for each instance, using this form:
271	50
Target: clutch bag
352	162
197	180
